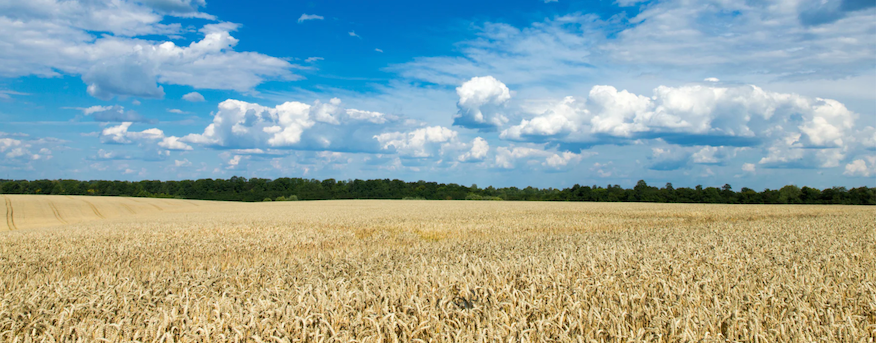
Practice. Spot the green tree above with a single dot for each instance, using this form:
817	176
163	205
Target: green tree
790	194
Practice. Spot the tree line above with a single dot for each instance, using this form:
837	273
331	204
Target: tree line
258	189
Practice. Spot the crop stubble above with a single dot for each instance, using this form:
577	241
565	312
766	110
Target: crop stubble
439	271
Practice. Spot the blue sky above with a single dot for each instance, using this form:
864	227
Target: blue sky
504	93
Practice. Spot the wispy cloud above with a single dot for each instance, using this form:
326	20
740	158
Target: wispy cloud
306	17
5	94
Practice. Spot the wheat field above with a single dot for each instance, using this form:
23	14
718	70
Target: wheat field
164	270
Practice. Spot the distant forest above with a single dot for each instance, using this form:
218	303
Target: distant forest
256	189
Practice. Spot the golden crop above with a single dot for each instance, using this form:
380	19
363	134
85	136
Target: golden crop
123	269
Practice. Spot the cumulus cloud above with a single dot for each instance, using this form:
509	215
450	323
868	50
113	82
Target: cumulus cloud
291	125
706	155
560	120
418	143
563	159
120	134
478	152
193	97
673	157
510	157
173	143
696	115
17	150
243	124
58	38
305	17
749	168
861	168
481	102
714	154
787	152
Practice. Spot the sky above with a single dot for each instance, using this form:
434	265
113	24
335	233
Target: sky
545	93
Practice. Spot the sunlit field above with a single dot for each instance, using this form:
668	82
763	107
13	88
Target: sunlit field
132	269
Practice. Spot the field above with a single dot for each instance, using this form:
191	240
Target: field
130	269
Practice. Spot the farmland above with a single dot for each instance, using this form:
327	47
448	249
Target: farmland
130	269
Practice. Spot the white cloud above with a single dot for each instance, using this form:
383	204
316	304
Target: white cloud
549	52
373	117
5	94
233	161
16	150
56	38
749	168
603	170
176	111
481	101
378	50
561	119
120	134
478	152
135	102
711	79
861	168
419	143
179	8
699	115
560	160
326	112
291	125
353	34
239	123
173	143
759	42
193	97
706	155
313	59
509	157
113	113
182	163
110	155
746	37
306	17
625	3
